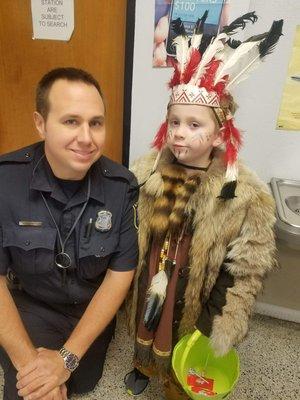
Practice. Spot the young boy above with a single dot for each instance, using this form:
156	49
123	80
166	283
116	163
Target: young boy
206	232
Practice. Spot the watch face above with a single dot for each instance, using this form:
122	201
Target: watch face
71	362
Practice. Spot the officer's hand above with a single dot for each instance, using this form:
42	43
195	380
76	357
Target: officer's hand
55	394
39	377
63	391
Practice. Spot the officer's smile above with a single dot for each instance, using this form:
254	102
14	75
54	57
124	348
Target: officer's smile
83	154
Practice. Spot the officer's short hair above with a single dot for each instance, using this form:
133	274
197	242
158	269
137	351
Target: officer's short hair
69	74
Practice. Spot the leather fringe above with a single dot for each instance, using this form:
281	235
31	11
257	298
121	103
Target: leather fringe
144	356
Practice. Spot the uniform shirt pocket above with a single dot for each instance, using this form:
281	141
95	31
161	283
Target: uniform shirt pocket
95	254
31	248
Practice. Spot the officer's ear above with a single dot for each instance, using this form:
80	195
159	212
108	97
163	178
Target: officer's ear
39	124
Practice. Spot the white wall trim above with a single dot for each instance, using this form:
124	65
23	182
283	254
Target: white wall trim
274	311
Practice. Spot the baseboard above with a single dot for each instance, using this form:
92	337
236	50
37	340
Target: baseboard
274	311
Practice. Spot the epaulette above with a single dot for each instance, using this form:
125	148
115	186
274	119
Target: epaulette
111	169
24	155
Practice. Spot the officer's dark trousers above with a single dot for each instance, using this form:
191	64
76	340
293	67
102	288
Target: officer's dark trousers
49	328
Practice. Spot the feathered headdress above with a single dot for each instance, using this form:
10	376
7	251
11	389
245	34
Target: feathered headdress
206	67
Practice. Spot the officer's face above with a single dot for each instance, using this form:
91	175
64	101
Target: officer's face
74	131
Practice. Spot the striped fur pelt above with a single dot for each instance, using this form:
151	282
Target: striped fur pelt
169	209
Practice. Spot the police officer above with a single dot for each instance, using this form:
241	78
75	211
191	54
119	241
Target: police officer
68	235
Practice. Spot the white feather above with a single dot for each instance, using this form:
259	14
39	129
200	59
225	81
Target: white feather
245	72
156	295
159	285
215	46
182	47
196	40
231	172
237	60
225	54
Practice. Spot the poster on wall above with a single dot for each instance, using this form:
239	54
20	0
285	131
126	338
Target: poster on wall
188	11
289	114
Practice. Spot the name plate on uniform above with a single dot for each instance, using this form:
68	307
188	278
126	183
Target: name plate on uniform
52	19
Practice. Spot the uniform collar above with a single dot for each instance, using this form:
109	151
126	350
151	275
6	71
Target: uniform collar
43	180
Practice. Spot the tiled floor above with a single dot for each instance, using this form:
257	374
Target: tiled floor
269	365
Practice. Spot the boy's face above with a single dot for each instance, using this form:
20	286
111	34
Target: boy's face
74	131
192	133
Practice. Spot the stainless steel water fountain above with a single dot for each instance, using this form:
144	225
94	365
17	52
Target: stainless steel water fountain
281	296
287	197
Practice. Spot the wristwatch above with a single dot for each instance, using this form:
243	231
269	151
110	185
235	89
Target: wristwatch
70	359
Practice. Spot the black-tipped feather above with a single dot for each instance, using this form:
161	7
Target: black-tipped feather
205	42
200	23
178	27
234	44
257	38
240	23
268	44
228	191
153	312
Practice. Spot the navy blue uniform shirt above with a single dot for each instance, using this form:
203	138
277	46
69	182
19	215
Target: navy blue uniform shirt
29	251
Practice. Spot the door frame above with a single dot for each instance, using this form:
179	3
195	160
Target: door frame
128	72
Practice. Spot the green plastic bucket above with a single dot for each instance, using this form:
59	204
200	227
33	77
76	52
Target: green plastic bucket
194	351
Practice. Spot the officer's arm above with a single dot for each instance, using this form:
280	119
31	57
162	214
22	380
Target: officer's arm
100	311
49	367
13	336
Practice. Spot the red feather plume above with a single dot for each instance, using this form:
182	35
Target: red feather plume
220	86
175	80
235	133
230	153
207	80
161	136
192	64
233	141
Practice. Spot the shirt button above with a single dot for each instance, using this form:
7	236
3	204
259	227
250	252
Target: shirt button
75	302
27	242
27	155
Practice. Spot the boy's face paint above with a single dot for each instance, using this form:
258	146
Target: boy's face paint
202	137
192	133
170	133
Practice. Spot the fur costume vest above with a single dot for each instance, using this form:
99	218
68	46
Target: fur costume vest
237	234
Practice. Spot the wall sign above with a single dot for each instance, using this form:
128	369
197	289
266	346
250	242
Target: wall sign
52	19
289	114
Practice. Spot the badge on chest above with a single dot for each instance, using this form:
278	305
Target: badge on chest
104	221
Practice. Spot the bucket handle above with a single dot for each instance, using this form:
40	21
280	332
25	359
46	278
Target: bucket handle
190	343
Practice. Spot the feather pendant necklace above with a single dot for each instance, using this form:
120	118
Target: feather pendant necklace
158	288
